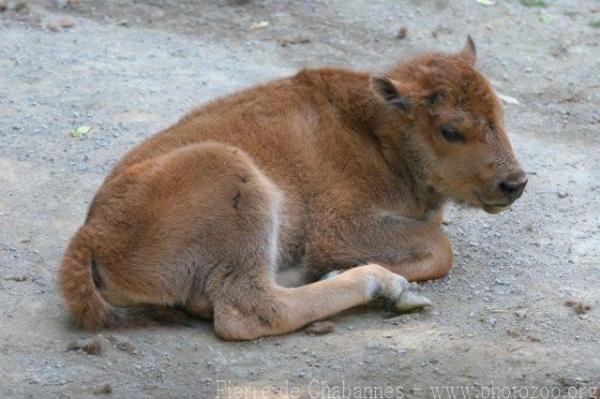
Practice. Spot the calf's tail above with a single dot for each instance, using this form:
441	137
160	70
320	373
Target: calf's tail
88	309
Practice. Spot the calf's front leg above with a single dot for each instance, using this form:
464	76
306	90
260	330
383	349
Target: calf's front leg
417	250
430	253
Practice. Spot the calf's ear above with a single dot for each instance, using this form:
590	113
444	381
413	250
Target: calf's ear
393	93
469	52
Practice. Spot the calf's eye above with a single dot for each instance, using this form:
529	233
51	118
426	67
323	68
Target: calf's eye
452	135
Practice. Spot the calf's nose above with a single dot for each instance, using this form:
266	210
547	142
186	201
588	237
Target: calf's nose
512	187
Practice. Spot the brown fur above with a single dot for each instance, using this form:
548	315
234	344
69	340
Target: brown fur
322	171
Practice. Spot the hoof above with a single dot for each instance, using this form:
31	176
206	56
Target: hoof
411	299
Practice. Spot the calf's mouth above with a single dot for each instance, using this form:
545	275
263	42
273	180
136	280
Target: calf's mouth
492	207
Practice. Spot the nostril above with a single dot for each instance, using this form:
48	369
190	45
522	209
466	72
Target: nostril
512	189
508	187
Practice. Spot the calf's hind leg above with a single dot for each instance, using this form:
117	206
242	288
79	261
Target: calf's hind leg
248	303
263	308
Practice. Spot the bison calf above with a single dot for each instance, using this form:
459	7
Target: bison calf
239	210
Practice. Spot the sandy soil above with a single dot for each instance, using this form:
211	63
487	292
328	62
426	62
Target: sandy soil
128	69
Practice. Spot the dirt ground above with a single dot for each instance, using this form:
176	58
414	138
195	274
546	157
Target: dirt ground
130	68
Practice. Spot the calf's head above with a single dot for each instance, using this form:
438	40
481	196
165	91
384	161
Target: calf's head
444	115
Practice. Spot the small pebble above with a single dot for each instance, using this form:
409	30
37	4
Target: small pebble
93	346
105	389
521	314
320	328
54	26
402	33
18	279
579	307
21	7
67	22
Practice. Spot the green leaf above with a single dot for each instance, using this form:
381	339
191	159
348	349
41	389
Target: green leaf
534	3
545	18
80	131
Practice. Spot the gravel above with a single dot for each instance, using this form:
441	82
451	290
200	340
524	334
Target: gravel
128	69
